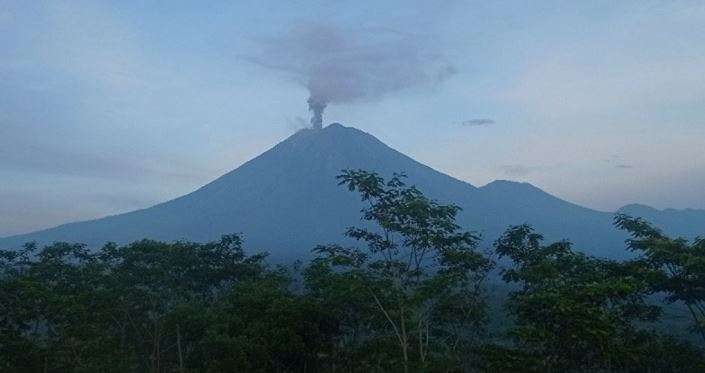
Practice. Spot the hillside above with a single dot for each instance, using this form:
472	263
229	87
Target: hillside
287	200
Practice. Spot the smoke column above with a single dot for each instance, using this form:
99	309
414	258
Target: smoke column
340	66
317	108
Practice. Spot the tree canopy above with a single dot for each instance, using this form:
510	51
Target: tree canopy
410	294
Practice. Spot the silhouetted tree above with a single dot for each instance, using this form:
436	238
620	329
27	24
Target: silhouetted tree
678	265
576	312
412	297
417	283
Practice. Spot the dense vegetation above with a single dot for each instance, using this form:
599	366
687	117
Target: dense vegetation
412	296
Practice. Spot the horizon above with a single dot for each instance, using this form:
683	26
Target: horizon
112	107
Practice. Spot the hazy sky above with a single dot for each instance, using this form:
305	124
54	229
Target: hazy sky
107	107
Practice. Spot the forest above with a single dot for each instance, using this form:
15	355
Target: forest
414	294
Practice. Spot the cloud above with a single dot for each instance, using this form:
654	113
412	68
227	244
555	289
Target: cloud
5	17
618	162
62	162
624	166
346	65
630	69
479	122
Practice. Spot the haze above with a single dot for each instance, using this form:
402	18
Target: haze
107	107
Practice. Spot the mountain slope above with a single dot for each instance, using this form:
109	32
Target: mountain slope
287	200
686	223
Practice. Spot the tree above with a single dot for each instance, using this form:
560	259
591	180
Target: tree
572	310
137	307
54	311
412	296
678	266
417	283
261	325
152	280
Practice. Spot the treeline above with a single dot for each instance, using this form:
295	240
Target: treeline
412	297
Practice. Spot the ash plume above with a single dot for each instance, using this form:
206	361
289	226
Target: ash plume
317	106
340	66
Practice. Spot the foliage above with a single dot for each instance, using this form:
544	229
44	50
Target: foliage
577	312
678	266
147	306
413	298
262	326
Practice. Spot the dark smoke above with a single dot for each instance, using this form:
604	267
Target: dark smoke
316	106
345	66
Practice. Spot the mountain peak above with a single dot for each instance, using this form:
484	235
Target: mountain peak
336	147
335	126
503	183
637	207
338	129
287	200
509	185
333	130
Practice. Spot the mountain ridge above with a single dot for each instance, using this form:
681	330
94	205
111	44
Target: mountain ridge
286	200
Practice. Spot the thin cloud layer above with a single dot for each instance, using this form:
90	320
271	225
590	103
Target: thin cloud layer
479	122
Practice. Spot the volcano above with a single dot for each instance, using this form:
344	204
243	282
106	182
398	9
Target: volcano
286	200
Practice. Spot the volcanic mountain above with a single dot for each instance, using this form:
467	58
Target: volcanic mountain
286	201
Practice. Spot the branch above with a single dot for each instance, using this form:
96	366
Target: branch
386	314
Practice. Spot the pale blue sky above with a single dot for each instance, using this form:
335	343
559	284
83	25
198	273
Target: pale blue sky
107	107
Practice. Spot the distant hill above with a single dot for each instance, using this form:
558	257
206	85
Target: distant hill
287	200
686	223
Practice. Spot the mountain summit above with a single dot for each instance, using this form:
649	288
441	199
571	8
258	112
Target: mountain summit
286	201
